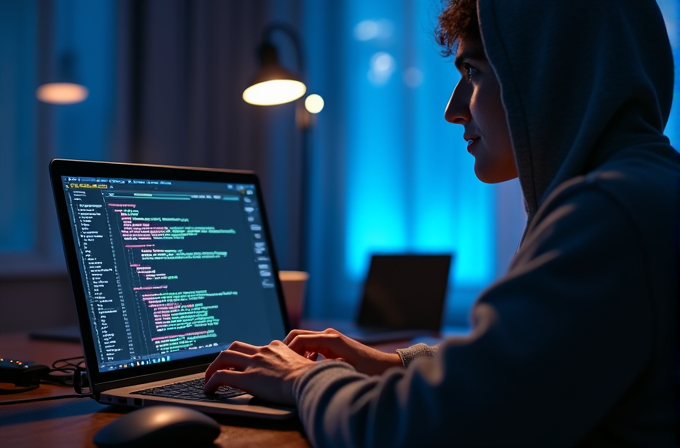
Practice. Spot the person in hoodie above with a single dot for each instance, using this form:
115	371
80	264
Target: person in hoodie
577	344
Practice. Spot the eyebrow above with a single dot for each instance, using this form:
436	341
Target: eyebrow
469	53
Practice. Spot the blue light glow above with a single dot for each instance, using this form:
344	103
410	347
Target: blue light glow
411	185
671	12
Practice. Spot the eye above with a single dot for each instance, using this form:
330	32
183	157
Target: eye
469	71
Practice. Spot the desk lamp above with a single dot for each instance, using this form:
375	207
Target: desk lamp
64	89
275	85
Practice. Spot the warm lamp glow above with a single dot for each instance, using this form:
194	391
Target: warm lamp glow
277	91
314	103
61	93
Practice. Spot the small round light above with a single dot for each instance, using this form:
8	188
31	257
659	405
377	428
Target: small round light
413	77
314	103
61	93
366	30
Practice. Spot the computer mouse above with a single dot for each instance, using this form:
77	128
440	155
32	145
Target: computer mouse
162	426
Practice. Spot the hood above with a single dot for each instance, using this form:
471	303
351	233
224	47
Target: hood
581	80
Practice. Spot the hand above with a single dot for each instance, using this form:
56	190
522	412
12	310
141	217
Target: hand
332	344
266	372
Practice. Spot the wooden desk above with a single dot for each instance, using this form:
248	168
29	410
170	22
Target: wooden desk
73	422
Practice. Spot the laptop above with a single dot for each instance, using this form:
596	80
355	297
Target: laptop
169	266
403	298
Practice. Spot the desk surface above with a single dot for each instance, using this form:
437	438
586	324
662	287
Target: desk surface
74	422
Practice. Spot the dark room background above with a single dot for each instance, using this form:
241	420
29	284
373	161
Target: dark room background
165	77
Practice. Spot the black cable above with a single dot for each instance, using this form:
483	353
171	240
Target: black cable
67	367
54	397
70	369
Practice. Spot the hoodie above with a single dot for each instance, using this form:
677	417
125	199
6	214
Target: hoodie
577	344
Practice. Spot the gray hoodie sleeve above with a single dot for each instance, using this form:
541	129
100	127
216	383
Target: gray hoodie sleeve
409	354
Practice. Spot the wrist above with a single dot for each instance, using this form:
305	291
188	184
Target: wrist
391	360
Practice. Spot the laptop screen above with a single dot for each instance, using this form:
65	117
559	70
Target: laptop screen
171	269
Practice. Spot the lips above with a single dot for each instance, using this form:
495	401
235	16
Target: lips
470	139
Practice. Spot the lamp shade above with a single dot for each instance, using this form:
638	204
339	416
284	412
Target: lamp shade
64	89
273	84
61	93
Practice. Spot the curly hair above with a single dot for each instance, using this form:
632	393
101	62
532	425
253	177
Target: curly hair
457	21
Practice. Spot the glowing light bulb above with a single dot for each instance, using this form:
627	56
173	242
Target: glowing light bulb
314	103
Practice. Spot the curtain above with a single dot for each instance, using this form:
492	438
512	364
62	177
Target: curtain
182	67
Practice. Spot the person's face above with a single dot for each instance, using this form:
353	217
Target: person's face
476	104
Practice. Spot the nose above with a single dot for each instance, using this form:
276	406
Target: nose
458	109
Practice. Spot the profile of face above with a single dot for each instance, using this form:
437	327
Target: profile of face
476	104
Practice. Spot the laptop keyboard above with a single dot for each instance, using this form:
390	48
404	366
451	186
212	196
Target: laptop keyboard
191	390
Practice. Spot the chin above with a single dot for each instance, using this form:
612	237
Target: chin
490	181
494	178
